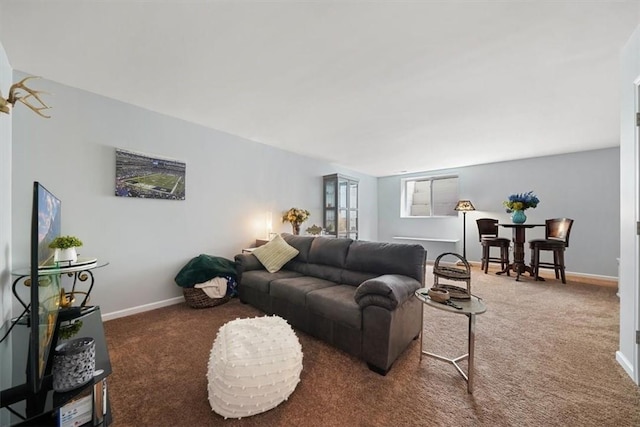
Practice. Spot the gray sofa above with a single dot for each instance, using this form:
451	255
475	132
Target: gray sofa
355	295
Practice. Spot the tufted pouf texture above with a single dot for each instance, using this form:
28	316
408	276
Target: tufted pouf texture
254	366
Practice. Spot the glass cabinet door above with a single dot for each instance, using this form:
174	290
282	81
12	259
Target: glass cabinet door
353	221
329	194
342	222
353	195
330	222
342	196
340	216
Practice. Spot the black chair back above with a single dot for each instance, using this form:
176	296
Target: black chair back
487	228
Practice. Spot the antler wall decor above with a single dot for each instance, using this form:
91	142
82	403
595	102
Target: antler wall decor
19	92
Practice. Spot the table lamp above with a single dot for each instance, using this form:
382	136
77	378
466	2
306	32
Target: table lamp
464	206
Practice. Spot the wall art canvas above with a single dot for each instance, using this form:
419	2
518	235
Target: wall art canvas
151	177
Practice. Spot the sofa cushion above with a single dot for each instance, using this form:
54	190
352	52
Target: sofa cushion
275	254
328	251
326	272
354	278
387	258
259	279
336	303
298	266
301	243
295	290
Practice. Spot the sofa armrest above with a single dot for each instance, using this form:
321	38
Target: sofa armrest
387	291
246	262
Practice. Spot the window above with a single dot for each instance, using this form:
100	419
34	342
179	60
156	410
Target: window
429	196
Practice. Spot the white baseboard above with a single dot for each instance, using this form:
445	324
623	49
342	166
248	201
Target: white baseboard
572	274
141	308
626	365
592	276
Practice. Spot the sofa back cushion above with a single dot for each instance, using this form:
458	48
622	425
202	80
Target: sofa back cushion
325	272
387	258
352	262
301	243
354	278
329	251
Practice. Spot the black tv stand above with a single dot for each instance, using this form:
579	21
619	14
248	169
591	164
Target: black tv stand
14	394
19	406
70	313
35	402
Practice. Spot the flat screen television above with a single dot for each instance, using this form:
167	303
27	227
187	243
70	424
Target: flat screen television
45	288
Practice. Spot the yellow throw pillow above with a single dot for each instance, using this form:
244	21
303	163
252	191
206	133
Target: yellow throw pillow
275	254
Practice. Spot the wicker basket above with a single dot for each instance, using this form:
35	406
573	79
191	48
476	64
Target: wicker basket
196	298
452	272
439	294
455	292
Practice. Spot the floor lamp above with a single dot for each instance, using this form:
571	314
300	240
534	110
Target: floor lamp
464	206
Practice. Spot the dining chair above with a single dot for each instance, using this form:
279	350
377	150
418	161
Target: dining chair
556	240
488	236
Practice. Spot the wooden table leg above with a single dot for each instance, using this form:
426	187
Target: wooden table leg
518	252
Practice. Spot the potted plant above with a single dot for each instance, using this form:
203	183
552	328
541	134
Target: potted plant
65	248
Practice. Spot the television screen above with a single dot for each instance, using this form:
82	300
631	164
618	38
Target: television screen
45	288
48	211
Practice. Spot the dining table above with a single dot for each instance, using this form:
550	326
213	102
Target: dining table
519	266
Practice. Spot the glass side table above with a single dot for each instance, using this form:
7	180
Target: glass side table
81	271
470	308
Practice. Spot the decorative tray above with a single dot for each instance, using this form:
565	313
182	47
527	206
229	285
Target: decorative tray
455	292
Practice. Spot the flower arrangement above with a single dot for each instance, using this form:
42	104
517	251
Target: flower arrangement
296	217
520	202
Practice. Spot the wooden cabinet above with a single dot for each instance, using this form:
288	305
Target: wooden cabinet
340	207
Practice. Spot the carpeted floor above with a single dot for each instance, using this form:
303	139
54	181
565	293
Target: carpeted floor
545	356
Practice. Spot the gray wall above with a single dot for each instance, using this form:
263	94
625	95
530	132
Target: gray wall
629	353
583	186
5	218
230	184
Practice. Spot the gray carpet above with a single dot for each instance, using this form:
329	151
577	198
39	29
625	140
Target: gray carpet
545	356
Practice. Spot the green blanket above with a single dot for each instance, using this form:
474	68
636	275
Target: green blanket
203	268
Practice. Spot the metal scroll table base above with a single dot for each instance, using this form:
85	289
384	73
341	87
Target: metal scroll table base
81	272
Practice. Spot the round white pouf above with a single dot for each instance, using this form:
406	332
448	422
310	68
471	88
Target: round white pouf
254	366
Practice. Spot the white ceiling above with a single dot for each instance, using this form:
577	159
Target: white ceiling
376	86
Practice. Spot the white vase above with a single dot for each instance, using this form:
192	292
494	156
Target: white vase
65	255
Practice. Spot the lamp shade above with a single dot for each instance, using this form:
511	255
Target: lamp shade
464	206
